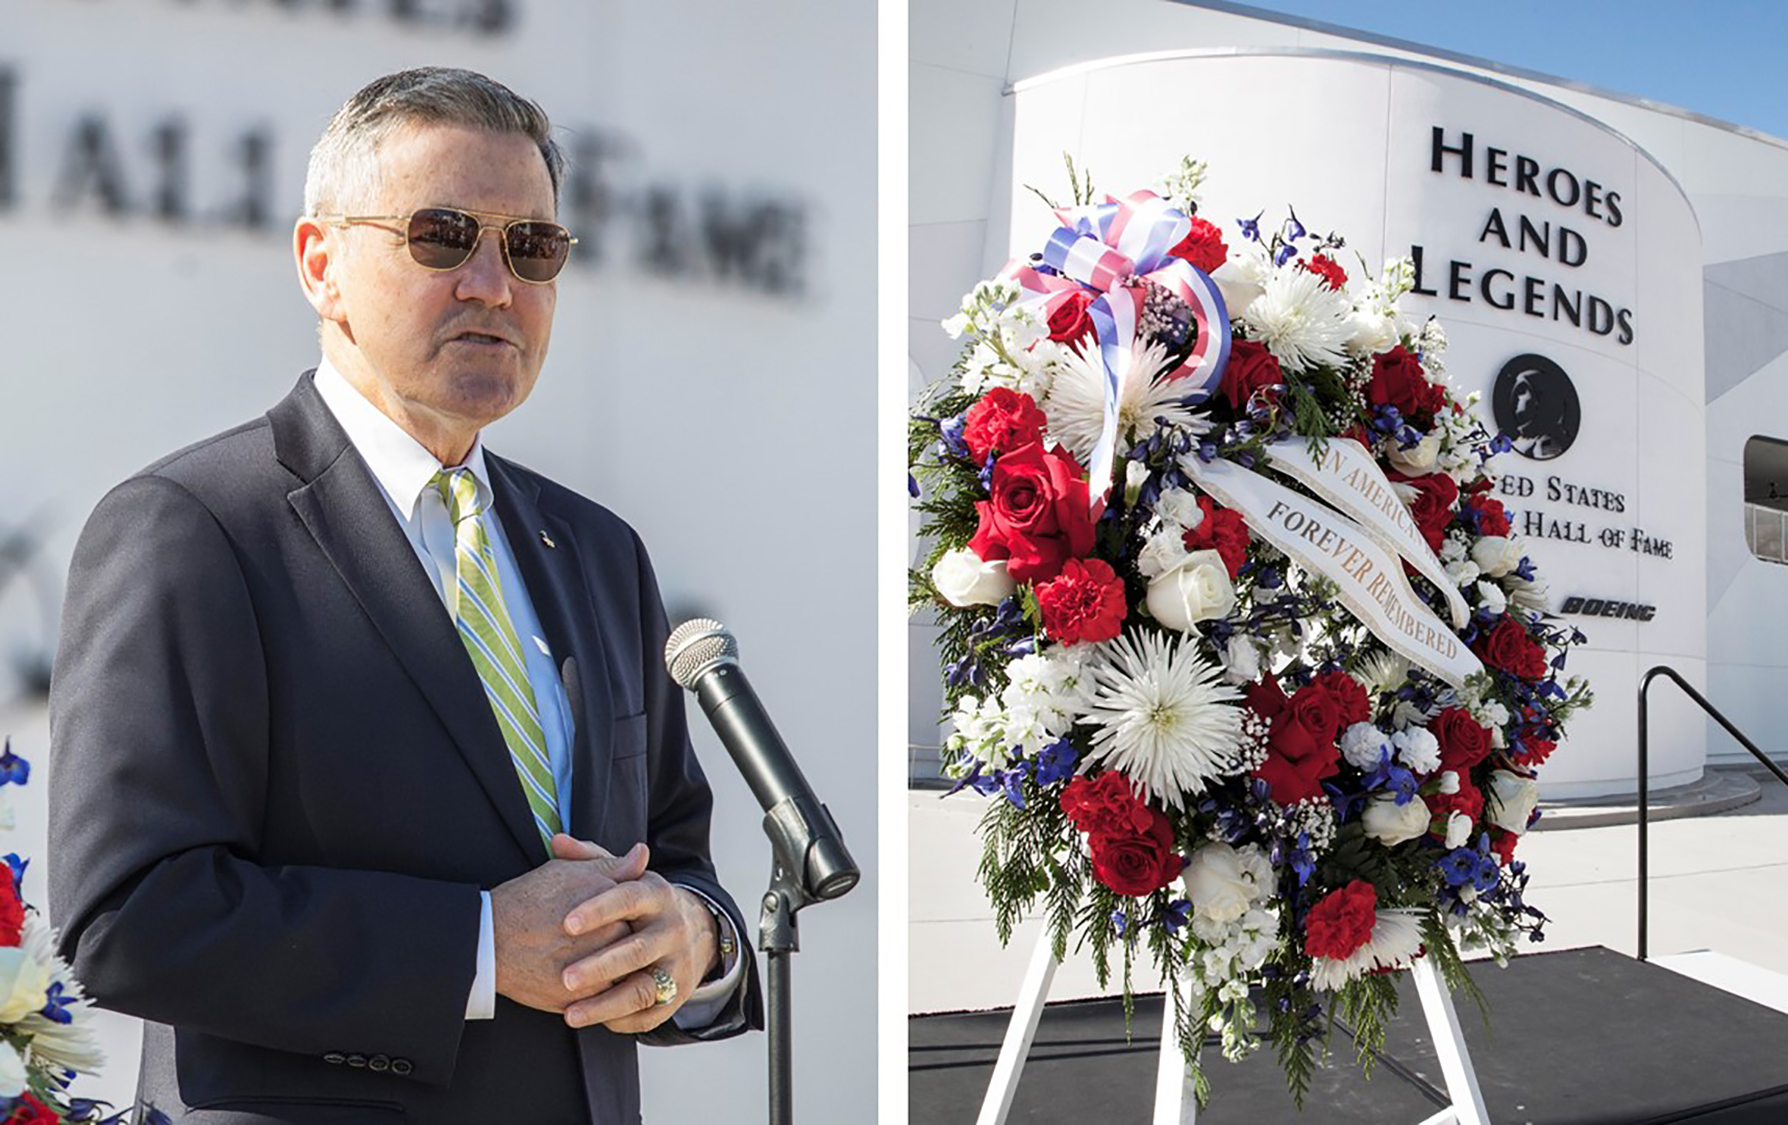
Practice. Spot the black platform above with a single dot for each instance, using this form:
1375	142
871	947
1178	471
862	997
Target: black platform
1578	1037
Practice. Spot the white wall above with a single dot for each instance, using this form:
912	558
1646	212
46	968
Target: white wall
725	421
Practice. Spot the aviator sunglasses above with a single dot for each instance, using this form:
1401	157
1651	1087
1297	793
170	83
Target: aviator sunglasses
443	238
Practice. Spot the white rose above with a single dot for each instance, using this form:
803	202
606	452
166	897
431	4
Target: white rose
1497	555
1373	332
964	580
1198	589
24	984
12	1071
1511	800
1458	829
1362	744
1176	505
1241	278
1419	460
1165	550
1418	749
1390	823
1491	598
1222	882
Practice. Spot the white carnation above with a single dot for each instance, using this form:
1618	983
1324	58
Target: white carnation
1417	748
1362	744
1165	549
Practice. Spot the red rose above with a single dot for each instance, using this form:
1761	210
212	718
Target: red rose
1002	420
1398	380
1137	863
1250	368
1350	697
1202	246
1503	844
1085	602
1468	800
1038	517
29	1111
1326	268
1509	648
12	912
1222	531
1492	519
1069	320
1298	757
1463	742
1342	921
1104	806
1432	511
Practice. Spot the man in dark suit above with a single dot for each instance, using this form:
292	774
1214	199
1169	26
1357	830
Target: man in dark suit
368	788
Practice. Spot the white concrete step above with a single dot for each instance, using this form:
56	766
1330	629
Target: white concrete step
1729	974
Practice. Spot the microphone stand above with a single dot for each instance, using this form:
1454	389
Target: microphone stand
810	865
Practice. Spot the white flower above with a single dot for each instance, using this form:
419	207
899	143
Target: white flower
1076	403
980	730
1416	461
1463	573
1223	882
1449	783
1497	555
1241	659
1242	277
1165	549
956	325
1395	941
1458	829
1372	332
1528	595
1510	800
964	580
12	1071
1302	321
1362	744
1491	597
1390	823
1452	549
1383	671
1197	589
1180	507
58	1046
1417	748
24	982
1165	719
1136	474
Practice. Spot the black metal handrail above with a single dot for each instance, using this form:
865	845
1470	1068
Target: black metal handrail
1645	776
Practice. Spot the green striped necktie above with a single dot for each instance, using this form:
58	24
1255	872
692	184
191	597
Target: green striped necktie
477	606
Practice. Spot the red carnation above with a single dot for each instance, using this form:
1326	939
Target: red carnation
1503	844
1398	380
1002	420
12	912
1250	368
1538	750
1301	748
1085	602
1038	517
1342	921
1350	697
1069	320
1463	741
1137	863
1509	648
1432	511
1202	246
1468	800
27	1110
1105	805
1326	268
1220	530
1492	519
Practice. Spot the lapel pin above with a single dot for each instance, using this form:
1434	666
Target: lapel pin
548	540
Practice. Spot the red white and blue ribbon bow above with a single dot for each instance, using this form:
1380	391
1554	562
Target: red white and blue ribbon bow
1107	249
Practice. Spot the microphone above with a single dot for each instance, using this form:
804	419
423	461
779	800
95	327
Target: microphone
703	657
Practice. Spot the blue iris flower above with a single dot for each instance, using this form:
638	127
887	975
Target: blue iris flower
14	770
1055	762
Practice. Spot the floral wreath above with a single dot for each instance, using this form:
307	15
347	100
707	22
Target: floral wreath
1234	631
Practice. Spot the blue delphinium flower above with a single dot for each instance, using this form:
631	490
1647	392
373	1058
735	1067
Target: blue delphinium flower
14	770
1178	911
1055	762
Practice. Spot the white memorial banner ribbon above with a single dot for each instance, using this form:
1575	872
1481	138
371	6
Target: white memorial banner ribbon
1348	477
1369	579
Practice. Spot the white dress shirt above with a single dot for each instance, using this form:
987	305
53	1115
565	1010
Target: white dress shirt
404	467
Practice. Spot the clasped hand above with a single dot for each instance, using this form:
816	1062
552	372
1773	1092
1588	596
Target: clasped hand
581	933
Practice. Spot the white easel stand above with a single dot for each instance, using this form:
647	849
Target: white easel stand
1175	1103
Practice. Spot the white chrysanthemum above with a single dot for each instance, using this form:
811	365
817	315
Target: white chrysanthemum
1381	672
1076	402
1166	719
57	1046
1396	938
1302	321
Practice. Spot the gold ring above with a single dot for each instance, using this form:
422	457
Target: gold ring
665	985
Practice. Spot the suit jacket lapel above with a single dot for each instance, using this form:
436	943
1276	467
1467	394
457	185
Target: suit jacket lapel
556	585
340	503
